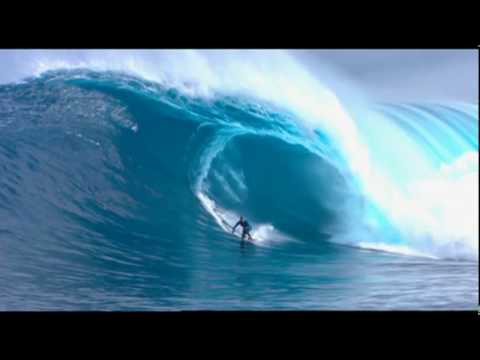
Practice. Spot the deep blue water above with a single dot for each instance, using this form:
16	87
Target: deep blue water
117	194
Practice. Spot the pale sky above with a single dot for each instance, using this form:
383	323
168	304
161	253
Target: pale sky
398	75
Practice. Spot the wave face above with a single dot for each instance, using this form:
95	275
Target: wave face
109	179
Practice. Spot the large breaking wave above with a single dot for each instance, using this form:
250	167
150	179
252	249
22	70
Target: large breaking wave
124	149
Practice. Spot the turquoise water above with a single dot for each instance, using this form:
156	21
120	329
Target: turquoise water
117	193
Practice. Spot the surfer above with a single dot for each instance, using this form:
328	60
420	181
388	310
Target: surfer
245	226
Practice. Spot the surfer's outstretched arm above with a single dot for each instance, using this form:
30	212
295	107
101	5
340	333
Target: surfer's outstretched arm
235	226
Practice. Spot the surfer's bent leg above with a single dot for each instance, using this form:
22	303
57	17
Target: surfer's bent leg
246	231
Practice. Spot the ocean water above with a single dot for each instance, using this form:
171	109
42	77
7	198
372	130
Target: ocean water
118	193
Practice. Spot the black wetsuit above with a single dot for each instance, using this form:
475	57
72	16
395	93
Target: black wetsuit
245	228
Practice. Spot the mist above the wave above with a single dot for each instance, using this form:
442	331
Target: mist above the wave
272	75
